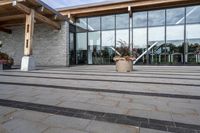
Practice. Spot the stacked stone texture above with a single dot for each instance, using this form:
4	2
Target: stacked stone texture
50	47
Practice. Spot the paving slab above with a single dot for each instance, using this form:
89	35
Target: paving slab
165	93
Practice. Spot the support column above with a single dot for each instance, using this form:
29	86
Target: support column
28	62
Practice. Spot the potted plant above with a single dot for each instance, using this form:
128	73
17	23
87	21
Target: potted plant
124	59
6	62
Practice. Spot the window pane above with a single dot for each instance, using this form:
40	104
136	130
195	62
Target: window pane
175	44
81	41
122	21
156	34
140	38
192	48
175	16
81	48
94	48
108	22
193	14
108	41
157	18
140	19
94	23
157	42
175	33
140	43
81	25
108	38
122	36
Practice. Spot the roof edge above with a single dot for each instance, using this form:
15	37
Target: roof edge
93	5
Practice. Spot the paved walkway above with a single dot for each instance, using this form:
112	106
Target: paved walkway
96	99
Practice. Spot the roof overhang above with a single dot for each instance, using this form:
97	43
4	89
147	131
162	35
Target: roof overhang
123	7
13	12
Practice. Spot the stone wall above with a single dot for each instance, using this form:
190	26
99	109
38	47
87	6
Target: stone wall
50	47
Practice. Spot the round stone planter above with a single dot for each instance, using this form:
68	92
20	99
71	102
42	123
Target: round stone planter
124	65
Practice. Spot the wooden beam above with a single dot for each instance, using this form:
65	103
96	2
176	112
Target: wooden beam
29	28
21	7
40	9
47	21
12	17
6	30
7	2
122	7
38	16
71	18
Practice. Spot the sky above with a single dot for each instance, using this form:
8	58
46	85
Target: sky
68	3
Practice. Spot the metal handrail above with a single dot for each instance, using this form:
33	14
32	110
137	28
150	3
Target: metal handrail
145	52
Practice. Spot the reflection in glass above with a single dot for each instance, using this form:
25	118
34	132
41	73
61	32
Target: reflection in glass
81	48
140	19
140	43
72	50
175	43
169	44
157	39
81	25
122	35
156	18
94	23
94	53
175	16
108	22
175	35
108	41
140	36
193	14
192	47
122	21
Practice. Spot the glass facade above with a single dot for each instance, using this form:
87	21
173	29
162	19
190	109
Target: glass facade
166	36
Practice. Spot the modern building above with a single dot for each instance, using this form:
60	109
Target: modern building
163	32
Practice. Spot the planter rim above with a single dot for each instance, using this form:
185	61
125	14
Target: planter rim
128	58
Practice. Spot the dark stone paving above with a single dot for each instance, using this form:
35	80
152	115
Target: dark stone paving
107	117
153	98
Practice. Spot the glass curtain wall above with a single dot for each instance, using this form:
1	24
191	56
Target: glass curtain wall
108	39
167	36
175	35
98	37
72	44
81	41
192	47
140	36
94	48
122	30
156	37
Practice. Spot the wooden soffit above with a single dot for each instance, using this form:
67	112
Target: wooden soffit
13	12
123	7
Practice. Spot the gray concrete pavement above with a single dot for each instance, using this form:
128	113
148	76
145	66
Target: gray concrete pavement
163	93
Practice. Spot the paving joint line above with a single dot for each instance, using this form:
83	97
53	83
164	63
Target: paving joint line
105	90
105	117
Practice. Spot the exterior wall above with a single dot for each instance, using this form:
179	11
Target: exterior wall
50	47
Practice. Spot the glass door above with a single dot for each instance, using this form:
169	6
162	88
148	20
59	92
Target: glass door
72	51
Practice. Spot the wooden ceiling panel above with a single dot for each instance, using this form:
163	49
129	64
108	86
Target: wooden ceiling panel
136	5
13	12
